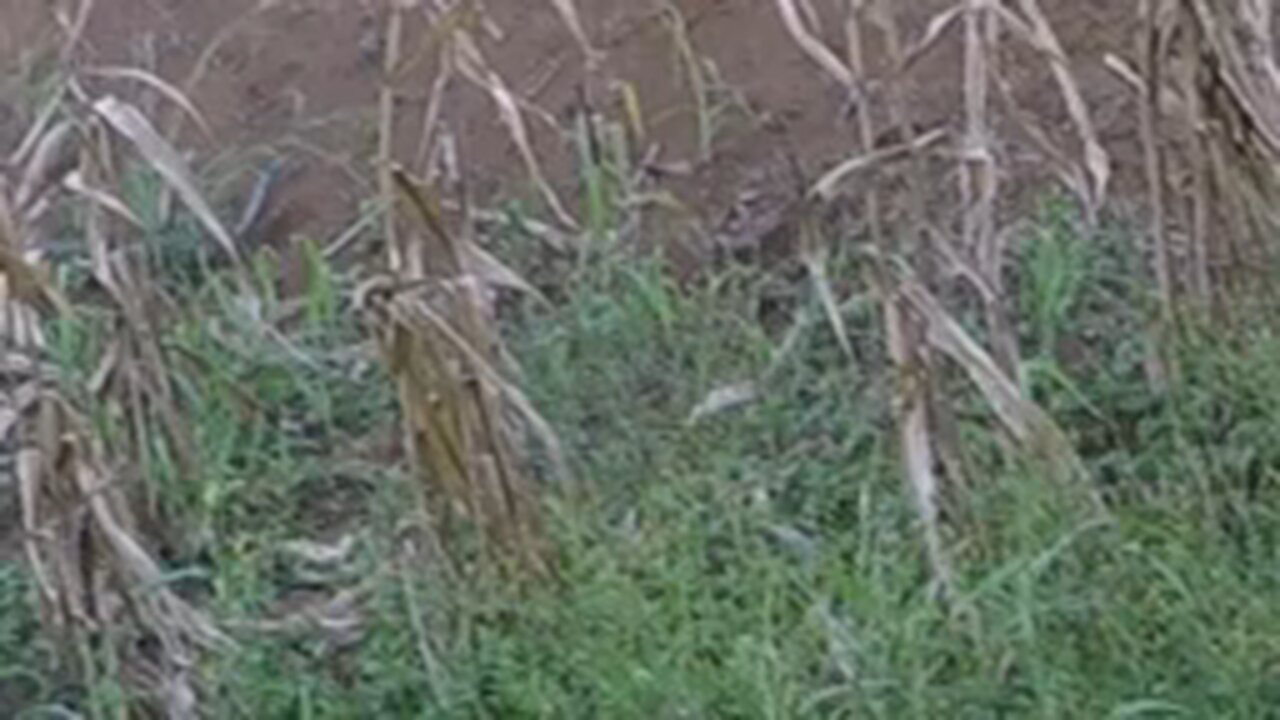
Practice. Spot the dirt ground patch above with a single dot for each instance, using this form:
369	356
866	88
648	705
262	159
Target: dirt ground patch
301	80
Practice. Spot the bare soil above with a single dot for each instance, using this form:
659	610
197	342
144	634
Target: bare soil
301	79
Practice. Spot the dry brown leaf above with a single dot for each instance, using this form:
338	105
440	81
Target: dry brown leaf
29	283
165	160
828	184
1096	158
174	95
542	429
74	182
472	65
1024	420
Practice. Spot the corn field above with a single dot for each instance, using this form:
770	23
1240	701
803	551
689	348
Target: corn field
107	366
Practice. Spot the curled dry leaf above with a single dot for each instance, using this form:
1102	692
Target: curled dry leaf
723	399
173	94
1024	420
165	160
75	183
828	184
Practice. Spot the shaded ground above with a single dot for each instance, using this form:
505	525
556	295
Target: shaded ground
301	79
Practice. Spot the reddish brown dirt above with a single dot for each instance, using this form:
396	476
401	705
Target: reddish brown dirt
301	79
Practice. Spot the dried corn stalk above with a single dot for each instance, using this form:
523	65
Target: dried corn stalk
918	327
1211	89
435	327
102	593
903	332
432	316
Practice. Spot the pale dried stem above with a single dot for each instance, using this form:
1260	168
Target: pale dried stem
92	570
819	53
471	64
386	136
979	178
910	356
1201	181
569	14
1150	126
1096	160
435	106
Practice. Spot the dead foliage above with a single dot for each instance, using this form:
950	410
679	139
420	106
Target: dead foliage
919	255
1208	92
434	323
102	593
432	314
1209	86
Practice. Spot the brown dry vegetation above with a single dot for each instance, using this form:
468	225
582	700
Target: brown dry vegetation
873	154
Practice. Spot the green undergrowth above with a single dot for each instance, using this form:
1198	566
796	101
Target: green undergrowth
755	561
765	562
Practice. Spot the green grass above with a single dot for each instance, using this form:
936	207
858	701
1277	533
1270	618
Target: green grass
763	563
25	661
765	566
